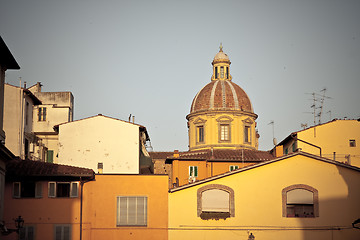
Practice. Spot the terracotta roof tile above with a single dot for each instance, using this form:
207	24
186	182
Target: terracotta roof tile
27	168
161	155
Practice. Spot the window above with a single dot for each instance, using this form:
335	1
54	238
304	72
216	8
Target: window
131	211
62	232
233	167
42	114
293	146
221	72
247	134
300	201
224	132
63	189
193	171
215	201
216	72
50	156
27	233
352	143
200	134
27	189
286	151
227	72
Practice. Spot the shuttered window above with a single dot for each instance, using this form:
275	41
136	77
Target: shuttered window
27	233
63	189
131	211
233	167
193	171
224	132
300	203
62	232
215	200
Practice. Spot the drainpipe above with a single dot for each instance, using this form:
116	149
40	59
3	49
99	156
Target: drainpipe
294	136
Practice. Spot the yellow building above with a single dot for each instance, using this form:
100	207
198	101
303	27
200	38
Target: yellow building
337	140
298	196
221	114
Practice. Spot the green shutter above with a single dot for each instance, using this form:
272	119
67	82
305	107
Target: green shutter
50	156
196	171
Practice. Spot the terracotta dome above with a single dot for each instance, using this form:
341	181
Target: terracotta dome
221	95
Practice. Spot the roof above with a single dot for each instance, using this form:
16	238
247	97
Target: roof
142	128
224	155
160	155
5	154
36	101
240	170
221	95
6	58
27	168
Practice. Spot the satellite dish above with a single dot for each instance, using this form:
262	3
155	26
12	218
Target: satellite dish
274	141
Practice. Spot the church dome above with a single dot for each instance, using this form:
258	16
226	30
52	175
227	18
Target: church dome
221	95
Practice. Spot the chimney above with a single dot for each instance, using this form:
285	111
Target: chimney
176	154
100	167
38	87
279	150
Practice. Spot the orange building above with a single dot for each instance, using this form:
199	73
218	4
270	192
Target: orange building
64	202
126	207
188	167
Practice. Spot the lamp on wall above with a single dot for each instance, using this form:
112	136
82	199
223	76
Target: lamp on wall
19	223
251	237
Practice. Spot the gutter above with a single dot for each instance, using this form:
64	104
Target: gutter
82	183
294	136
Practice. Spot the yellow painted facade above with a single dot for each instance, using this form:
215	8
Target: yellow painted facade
339	140
258	202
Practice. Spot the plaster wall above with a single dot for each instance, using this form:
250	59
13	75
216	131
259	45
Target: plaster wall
100	207
86	142
258	204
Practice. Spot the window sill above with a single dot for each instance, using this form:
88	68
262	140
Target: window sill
214	215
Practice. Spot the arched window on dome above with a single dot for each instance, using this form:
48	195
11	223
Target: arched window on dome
199	125
216	72
227	72
247	130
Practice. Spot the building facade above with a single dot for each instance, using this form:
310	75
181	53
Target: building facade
104	144
301	196
337	140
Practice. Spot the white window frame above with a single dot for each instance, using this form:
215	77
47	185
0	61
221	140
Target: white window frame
140	220
26	233
62	226
192	169
233	167
52	189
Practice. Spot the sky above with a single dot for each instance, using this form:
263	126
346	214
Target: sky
150	58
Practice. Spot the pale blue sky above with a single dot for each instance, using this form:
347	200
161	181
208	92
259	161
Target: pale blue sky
150	58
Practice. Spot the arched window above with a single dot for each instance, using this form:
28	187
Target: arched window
215	201
300	201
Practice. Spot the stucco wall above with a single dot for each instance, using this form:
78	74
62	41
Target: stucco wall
87	142
100	207
258	204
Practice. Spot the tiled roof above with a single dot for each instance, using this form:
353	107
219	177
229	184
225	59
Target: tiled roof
227	155
161	155
27	168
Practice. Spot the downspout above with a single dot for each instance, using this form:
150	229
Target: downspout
81	202
297	139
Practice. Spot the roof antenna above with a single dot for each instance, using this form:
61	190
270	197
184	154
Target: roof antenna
273	132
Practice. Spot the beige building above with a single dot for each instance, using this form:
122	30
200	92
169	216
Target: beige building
18	120
104	144
56	108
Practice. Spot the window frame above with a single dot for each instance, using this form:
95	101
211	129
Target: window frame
227	189
195	170
304	187
41	114
62	226
224	122
233	167
200	134
52	189
352	143
118	211
26	233
16	190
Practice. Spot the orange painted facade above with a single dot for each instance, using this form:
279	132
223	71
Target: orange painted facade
42	213
98	217
205	169
100	206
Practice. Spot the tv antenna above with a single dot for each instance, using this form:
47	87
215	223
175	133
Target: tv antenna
273	131
318	105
